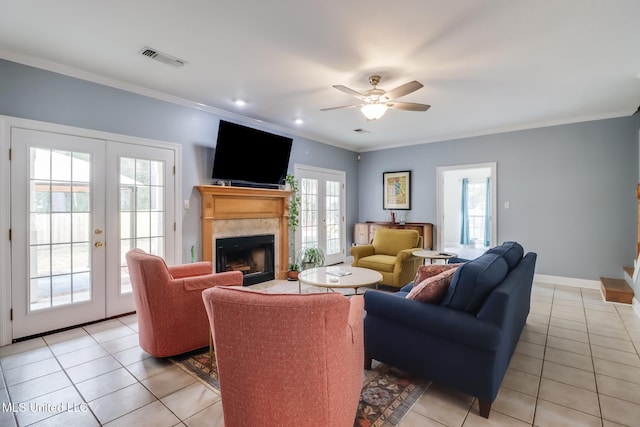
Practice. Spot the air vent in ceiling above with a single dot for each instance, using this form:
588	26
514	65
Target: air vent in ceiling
162	57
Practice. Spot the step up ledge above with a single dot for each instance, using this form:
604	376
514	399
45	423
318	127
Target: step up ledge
616	290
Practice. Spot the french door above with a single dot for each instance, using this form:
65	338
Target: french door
141	214
322	211
77	205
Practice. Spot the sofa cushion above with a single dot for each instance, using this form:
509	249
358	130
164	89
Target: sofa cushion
384	263
473	281
389	241
512	253
430	270
432	289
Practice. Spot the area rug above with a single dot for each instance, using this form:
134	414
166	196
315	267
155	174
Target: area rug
387	395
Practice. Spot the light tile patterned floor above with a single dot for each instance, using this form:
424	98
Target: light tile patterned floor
576	364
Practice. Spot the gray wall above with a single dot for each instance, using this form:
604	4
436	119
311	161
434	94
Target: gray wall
571	190
32	93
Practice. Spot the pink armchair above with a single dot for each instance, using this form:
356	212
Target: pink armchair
171	318
287	359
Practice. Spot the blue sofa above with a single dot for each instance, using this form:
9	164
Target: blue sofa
467	340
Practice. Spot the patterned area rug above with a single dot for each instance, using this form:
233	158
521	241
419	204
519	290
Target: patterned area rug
387	394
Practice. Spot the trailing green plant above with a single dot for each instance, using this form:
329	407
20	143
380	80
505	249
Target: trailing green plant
294	219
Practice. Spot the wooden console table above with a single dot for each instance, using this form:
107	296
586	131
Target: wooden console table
363	232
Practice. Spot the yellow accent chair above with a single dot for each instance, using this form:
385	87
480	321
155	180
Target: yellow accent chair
391	254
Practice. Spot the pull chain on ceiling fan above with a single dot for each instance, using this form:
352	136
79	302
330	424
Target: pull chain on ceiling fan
376	102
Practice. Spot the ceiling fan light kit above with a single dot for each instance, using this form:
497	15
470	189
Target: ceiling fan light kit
373	111
376	102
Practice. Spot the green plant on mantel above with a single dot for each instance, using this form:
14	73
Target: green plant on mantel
294	219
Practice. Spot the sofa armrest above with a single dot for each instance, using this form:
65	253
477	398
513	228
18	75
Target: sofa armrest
227	278
450	324
188	270
361	251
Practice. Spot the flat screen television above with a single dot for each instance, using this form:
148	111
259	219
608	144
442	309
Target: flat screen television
250	157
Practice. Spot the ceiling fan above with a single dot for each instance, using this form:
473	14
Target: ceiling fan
376	102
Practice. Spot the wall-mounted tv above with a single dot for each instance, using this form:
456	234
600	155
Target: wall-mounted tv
250	157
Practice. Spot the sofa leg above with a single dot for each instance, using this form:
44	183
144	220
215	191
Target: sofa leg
367	363
485	407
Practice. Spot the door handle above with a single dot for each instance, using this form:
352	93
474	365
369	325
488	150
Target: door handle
98	244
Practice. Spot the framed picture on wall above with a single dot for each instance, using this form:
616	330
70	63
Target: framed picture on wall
396	187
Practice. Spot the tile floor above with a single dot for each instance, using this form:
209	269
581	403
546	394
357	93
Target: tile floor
577	363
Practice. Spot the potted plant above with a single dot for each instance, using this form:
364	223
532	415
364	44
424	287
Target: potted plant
294	221
311	257
294	270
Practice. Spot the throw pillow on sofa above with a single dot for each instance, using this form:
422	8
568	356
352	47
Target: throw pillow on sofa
432	289
430	270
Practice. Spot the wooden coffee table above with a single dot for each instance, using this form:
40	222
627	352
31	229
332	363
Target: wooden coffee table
339	277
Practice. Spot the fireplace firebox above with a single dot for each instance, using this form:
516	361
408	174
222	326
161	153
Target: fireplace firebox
252	255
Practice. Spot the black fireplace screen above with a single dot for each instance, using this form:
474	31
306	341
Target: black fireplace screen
252	255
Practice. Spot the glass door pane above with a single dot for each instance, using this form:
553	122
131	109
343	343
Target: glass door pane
309	223
333	218
59	238
142	210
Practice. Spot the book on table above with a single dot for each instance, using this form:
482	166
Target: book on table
338	273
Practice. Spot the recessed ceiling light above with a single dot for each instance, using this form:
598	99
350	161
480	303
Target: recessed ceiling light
240	102
299	121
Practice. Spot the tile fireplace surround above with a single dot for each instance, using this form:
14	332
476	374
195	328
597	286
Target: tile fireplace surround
240	211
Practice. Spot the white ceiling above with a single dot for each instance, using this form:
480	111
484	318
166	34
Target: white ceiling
487	65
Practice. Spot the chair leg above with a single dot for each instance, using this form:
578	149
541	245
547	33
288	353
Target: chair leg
485	407
367	363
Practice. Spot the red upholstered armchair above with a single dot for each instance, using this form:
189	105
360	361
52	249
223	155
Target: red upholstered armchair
171	318
287	359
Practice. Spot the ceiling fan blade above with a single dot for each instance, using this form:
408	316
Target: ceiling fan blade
408	106
342	106
403	90
351	92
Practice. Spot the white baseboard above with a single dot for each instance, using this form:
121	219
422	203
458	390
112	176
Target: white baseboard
567	281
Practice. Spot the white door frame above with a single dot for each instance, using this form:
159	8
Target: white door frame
440	171
5	225
8	122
